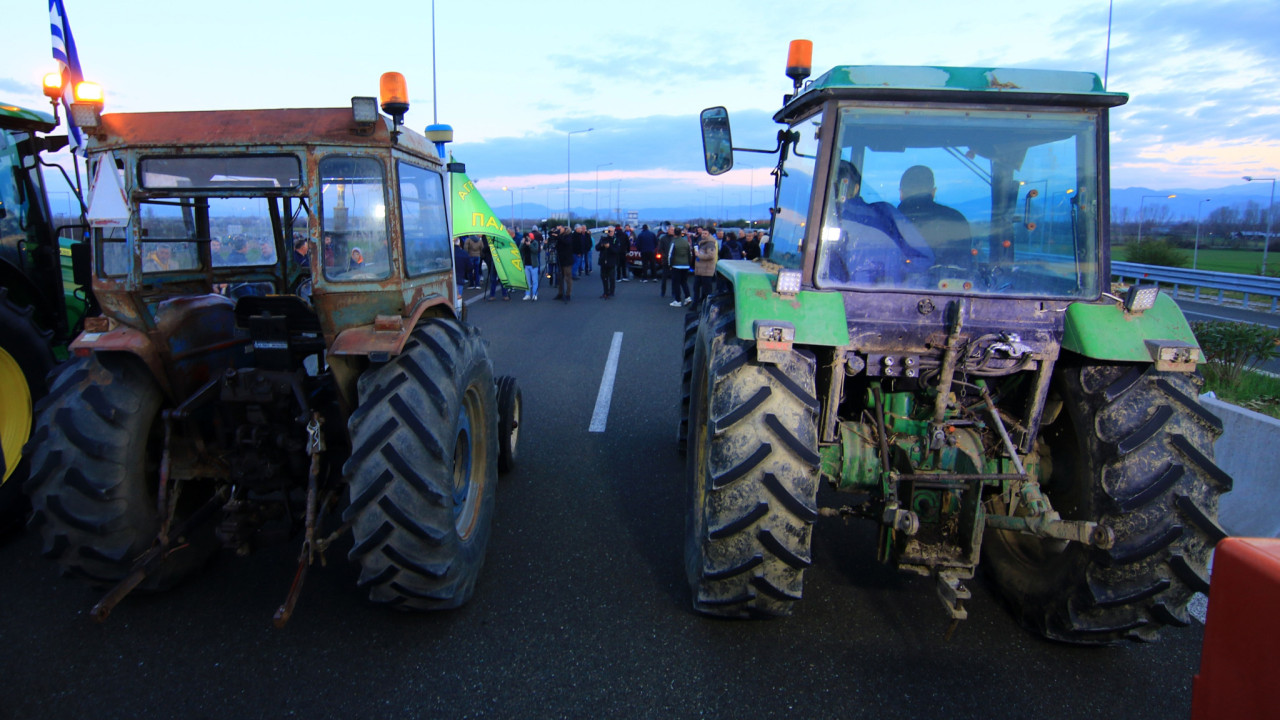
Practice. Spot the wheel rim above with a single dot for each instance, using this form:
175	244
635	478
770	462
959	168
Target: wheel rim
468	468
15	412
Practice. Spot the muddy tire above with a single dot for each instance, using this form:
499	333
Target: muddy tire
686	377
423	470
1132	449
25	360
95	473
753	473
510	410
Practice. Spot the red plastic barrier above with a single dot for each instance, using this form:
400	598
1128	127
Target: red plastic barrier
1240	658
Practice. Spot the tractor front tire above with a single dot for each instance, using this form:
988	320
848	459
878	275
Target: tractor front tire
95	476
753	467
423	469
510	410
1132	450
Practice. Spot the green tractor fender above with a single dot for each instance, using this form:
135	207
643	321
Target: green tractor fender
1107	332
818	318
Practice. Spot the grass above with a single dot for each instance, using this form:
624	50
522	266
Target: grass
1255	391
1243	262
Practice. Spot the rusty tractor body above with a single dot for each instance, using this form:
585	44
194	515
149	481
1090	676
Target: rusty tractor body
281	342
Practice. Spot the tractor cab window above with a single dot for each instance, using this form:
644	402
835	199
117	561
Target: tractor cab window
238	230
962	200
795	188
427	246
354	218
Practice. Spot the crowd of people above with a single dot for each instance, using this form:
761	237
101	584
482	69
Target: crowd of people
667	254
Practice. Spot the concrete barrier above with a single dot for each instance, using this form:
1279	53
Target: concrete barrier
1249	450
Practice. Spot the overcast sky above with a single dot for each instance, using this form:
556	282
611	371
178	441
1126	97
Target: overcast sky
514	78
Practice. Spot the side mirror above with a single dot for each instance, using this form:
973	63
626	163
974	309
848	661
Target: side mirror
717	141
81	269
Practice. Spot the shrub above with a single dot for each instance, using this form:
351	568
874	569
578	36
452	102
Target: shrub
1231	347
1155	252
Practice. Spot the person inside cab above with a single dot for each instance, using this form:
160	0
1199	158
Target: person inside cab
876	244
944	228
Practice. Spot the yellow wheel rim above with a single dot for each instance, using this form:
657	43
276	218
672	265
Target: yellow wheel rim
15	411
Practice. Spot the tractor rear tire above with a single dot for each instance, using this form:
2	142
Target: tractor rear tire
686	377
95	472
510	409
753	467
25	360
1132	450
423	469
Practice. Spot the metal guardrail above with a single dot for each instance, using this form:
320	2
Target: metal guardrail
1222	282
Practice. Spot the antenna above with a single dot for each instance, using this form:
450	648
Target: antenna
1106	64
435	113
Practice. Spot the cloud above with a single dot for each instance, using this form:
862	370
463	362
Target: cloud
10	85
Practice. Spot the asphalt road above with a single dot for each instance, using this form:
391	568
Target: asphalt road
582	609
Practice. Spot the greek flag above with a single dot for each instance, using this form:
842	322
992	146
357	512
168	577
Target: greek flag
64	51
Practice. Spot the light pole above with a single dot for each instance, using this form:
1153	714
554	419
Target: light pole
568	155
1144	199
1195	255
522	205
512	215
598	190
1266	240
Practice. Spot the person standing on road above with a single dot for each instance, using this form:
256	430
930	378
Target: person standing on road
553	263
704	266
664	269
475	246
581	246
494	282
606	259
751	247
531	256
679	258
564	257
731	248
647	244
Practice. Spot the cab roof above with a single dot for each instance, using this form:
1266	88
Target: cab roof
232	129
1017	86
13	117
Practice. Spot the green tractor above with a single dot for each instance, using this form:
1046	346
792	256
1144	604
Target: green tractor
282	353
42	303
934	333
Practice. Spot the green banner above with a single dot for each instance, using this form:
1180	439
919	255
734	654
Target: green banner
473	216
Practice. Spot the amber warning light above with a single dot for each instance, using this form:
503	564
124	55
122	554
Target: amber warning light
799	61
394	95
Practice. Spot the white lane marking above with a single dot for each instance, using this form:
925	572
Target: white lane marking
601	414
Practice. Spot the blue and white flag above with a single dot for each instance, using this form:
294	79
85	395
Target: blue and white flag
64	51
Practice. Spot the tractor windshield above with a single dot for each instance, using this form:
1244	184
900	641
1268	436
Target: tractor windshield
973	201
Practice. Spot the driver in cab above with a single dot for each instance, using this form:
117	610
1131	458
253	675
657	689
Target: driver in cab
877	245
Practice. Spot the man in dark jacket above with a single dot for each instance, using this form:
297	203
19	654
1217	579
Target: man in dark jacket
647	244
607	247
944	228
564	257
581	246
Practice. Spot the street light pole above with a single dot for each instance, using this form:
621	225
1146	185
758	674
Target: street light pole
598	190
512	216
1266	240
568	179
1142	200
1196	253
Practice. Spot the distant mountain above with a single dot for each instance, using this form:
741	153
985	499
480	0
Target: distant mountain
1182	207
